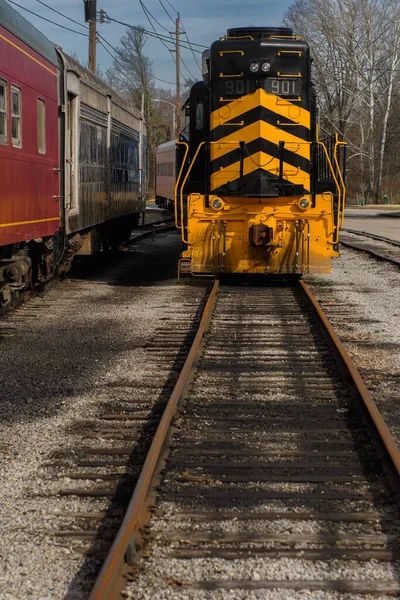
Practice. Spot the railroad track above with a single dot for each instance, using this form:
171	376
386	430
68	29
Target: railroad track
271	468
372	236
386	249
153	228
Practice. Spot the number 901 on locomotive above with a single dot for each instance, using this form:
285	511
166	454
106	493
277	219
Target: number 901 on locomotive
236	88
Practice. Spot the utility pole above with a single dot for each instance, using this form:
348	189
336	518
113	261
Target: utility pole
92	46
91	18
178	79
142	191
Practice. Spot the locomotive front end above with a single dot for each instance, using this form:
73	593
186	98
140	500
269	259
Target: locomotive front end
273	193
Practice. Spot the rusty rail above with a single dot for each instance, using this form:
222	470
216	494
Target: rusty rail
384	437
127	543
155	228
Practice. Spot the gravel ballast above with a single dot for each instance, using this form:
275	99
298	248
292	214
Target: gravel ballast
361	300
67	355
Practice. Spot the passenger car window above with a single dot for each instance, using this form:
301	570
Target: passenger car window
16	117
3	112
41	126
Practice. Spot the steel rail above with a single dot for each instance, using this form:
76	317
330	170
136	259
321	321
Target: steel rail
164	221
128	538
383	433
373	236
156	229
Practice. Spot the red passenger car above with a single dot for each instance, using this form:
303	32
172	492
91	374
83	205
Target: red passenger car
29	160
71	156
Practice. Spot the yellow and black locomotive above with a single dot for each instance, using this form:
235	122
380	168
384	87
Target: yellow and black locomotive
256	190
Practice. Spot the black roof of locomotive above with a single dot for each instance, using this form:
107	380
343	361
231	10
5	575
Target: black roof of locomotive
260	33
16	24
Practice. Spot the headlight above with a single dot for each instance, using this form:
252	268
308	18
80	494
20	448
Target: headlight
217	203
304	203
254	67
266	67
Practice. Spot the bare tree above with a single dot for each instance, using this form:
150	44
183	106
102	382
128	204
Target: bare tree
330	29
132	75
356	49
390	79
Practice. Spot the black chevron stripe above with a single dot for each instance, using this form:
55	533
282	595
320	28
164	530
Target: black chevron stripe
260	145
261	183
260	114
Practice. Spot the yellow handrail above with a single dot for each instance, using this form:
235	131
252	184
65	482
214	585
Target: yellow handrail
335	238
337	144
183	185
285	37
177	182
234	37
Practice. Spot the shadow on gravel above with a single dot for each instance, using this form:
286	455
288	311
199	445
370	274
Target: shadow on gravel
150	261
101	543
54	343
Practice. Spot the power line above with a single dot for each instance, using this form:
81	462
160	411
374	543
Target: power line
120	54
114	49
191	47
165	10
48	20
159	37
99	36
154	29
147	12
113	57
62	15
173	8
185	32
149	16
153	33
110	53
186	35
162	39
187	68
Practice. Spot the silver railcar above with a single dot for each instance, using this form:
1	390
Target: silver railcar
103	145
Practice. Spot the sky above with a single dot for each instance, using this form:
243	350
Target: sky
204	21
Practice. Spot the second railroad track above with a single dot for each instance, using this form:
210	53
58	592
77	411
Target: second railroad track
379	247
